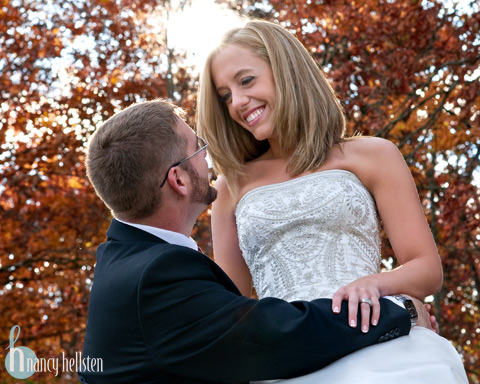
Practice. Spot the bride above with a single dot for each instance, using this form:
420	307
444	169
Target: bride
301	204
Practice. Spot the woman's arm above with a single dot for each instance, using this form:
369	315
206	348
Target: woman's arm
226	250
382	169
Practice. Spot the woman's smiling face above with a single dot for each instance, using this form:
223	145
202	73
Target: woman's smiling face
245	84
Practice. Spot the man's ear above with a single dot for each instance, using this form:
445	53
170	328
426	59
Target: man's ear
177	180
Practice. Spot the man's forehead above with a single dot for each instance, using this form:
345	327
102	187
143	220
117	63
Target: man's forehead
184	128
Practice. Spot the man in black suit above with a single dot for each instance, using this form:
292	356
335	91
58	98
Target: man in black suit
162	312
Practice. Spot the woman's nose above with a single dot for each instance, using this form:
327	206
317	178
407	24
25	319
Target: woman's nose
239	99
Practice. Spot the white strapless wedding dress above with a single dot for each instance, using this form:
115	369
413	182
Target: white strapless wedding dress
303	239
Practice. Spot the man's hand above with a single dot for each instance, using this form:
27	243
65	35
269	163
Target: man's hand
424	317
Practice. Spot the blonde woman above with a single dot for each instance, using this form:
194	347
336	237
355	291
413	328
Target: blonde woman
300	203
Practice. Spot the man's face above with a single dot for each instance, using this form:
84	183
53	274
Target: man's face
203	192
197	168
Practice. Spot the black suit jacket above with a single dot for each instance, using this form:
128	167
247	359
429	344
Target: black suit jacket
162	313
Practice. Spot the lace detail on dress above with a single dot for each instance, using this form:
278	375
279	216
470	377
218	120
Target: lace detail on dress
304	238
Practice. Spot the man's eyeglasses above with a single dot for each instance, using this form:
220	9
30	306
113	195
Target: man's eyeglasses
201	145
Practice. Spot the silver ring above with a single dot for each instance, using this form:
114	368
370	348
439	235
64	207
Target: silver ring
368	301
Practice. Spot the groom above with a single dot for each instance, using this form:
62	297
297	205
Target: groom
162	312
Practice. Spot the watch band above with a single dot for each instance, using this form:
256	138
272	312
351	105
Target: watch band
410	307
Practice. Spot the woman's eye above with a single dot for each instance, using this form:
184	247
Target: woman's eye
225	98
247	80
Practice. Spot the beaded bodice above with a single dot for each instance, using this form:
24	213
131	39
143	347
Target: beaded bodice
304	238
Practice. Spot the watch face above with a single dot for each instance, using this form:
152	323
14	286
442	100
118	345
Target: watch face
410	307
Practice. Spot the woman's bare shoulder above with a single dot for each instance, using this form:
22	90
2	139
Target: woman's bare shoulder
370	152
369	146
221	183
372	159
224	197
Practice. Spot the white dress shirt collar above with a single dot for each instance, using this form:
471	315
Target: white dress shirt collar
168	236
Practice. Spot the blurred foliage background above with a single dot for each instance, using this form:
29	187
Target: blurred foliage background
407	71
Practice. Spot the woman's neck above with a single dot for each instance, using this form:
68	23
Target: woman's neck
275	151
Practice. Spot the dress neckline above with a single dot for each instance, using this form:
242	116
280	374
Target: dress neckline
293	181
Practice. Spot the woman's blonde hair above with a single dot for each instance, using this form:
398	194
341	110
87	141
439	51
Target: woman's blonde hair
308	118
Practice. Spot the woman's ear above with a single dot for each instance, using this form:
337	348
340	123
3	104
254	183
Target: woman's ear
177	180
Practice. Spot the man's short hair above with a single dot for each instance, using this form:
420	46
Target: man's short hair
130	153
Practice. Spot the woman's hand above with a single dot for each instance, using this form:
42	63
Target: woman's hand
364	293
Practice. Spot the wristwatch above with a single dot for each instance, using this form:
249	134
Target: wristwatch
410	307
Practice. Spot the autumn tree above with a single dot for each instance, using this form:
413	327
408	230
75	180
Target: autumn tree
408	71
65	66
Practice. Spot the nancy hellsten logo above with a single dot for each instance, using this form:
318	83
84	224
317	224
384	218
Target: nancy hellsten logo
21	362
